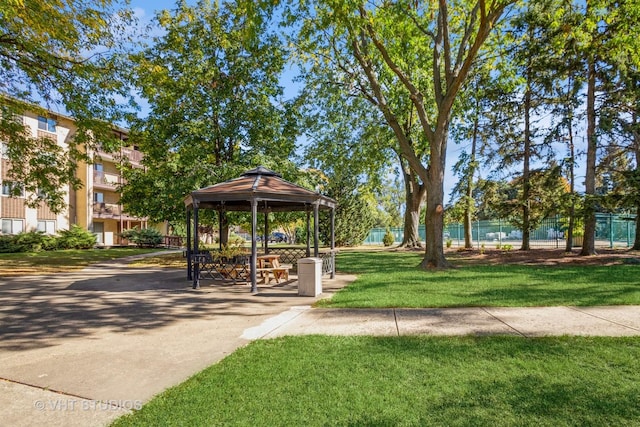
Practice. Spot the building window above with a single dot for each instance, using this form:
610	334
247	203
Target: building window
47	227
46	124
4	150
12	226
98	197
14	189
98	167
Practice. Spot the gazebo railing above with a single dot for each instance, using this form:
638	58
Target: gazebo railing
234	269
291	255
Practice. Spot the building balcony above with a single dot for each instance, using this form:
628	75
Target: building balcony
108	181
134	156
113	211
106	210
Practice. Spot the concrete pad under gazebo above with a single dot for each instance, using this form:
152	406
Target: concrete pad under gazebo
257	190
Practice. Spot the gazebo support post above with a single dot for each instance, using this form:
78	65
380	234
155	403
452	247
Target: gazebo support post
308	233
196	249
266	230
220	229
316	229
254	248
333	243
189	264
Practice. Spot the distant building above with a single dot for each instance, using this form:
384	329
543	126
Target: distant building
95	207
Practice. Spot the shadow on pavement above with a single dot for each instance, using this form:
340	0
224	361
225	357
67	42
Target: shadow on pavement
38	311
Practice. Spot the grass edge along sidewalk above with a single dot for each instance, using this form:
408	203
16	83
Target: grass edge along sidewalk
392	279
412	381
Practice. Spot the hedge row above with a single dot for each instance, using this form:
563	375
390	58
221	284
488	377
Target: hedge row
35	241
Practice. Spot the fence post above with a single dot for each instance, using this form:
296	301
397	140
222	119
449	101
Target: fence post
610	230
478	231
628	233
500	232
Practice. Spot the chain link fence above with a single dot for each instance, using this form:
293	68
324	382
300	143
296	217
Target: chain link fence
612	230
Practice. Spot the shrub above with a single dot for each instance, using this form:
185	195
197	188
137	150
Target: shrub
7	244
76	238
147	237
388	238
235	240
33	241
449	243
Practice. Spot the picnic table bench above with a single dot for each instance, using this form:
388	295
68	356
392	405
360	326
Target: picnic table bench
238	269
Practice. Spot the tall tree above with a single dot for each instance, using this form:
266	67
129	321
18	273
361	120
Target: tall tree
383	36
68	56
211	80
609	43
342	97
620	124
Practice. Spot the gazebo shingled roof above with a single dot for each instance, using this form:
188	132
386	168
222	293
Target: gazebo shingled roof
257	190
263	185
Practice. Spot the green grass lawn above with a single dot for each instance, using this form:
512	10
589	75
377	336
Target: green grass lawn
392	279
59	261
410	381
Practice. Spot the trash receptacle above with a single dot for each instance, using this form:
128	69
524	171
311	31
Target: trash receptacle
310	277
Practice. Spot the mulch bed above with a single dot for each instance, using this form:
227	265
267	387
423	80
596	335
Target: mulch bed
604	256
539	256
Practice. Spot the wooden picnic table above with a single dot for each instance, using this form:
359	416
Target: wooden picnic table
270	264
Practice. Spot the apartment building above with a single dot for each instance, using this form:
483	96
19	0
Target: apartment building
94	207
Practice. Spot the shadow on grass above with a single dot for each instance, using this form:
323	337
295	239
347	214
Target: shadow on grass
502	381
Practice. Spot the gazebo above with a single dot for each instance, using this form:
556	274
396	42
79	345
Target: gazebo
258	190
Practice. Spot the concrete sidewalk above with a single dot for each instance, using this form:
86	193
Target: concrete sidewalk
81	349
615	321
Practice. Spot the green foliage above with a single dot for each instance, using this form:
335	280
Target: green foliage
229	251
69	56
7	245
76	238
216	107
34	241
407	60
388	238
354	216
504	200
146	237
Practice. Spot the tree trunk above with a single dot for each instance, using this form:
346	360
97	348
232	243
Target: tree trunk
414	193
434	217
526	167
636	241
636	150
572	184
224	229
469	205
589	244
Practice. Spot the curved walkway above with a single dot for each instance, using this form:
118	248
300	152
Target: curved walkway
84	348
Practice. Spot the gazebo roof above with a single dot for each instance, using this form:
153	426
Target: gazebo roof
261	184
